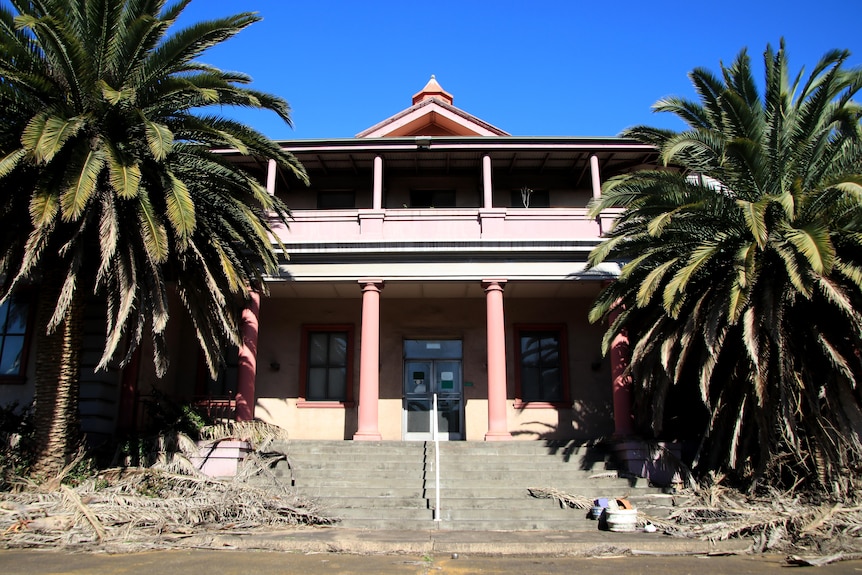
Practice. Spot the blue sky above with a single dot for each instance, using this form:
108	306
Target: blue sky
539	67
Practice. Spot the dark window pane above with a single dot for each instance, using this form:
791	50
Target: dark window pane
13	324
326	379
337	382
10	362
541	376
530	384
318	348
4	312
317	383
337	349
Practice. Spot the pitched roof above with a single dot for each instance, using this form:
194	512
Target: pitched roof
432	114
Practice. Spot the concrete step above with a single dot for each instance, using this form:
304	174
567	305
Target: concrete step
522	492
321	491
374	502
391	485
391	524
524	512
374	483
570	524
391	513
335	447
524	477
524	463
366	464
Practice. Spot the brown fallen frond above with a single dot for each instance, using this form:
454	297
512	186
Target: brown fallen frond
564	499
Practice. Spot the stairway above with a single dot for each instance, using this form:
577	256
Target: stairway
484	485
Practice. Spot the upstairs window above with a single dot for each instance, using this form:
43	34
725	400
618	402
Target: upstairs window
542	364
327	373
432	198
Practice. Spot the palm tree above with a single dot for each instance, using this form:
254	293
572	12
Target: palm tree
111	188
742	275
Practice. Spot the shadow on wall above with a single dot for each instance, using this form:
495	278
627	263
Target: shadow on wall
351	421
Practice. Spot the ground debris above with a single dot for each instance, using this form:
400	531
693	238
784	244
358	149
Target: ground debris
145	508
564	499
812	529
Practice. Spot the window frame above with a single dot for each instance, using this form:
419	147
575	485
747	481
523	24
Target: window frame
20	378
306	332
562	336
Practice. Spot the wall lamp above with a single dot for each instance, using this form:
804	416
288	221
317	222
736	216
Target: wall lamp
423	142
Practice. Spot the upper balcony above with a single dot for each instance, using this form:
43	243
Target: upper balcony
442	189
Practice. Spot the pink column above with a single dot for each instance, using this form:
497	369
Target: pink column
595	176
270	177
377	188
498	429
621	384
369	360
487	186
247	368
127	416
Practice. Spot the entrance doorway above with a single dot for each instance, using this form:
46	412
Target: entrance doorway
432	366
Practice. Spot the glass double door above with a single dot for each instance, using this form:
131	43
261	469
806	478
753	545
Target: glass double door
423	377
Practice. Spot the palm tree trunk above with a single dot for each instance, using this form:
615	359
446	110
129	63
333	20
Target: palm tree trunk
55	415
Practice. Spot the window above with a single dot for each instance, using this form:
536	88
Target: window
327	364
336	200
432	198
534	199
217	397
225	383
13	340
542	365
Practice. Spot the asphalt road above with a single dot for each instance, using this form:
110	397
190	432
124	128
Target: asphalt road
202	562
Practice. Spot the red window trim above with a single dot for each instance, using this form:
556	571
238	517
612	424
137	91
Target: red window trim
560	328
303	366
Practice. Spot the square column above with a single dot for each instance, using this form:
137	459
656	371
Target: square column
498	428
369	360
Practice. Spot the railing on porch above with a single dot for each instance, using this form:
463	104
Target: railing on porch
436	431
314	226
147	409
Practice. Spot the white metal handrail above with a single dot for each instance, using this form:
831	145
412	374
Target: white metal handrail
436	432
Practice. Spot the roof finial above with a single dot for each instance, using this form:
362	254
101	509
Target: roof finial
433	90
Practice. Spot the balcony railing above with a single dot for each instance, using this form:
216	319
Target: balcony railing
429	224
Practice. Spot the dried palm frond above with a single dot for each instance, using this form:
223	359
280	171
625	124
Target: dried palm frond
141	507
564	499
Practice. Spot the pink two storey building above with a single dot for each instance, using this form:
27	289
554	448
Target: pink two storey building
432	254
